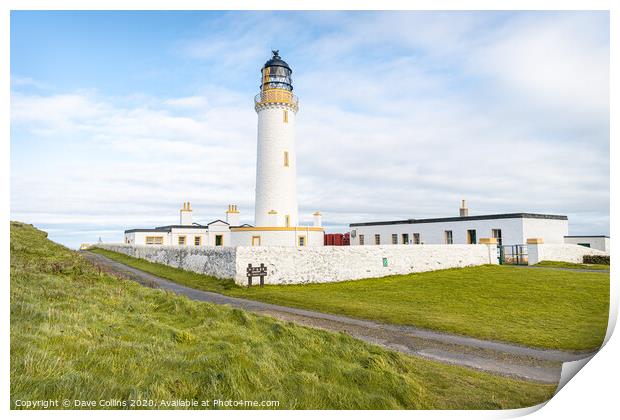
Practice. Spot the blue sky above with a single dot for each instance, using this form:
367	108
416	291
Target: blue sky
119	117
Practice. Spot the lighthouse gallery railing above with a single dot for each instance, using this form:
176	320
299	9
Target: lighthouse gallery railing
279	96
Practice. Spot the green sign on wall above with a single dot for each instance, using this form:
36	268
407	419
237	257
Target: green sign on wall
385	262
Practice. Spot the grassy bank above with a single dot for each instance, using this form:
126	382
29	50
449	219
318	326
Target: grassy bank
577	266
542	308
77	333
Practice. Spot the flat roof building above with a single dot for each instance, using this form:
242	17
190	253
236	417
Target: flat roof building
507	228
600	242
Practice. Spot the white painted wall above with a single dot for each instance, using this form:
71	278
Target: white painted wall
434	233
552	231
186	217
172	237
233	217
139	238
189	234
130	238
292	265
218	228
231	238
276	184
277	238
559	252
597	242
514	231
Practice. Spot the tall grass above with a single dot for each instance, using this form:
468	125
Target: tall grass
81	334
535	307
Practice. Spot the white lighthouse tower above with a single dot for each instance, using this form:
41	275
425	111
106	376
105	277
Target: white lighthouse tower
276	171
276	220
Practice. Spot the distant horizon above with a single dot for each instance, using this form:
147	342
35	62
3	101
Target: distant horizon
119	117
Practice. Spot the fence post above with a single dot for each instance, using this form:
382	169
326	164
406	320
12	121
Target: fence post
534	250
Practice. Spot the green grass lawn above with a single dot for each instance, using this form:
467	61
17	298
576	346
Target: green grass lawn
562	264
536	307
77	333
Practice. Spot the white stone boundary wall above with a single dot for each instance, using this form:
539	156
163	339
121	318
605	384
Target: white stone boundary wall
294	265
210	260
286	265
559	252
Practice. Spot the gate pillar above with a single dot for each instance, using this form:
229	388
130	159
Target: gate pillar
492	249
534	250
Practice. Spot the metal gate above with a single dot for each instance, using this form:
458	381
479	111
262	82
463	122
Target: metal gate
513	254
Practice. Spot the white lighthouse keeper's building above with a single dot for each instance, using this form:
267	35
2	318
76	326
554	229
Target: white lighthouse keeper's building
276	213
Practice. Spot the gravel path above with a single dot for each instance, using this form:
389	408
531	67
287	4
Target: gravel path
501	358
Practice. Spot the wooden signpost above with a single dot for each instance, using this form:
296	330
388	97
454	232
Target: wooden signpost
260	271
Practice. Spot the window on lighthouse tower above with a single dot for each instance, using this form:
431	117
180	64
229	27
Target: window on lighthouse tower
285	158
285	116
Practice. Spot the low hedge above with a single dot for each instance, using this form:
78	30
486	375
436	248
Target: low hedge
596	259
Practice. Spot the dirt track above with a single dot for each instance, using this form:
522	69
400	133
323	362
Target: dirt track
496	357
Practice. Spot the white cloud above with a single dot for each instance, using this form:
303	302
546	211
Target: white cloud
557	64
510	113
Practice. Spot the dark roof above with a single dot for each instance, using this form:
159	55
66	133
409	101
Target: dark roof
276	60
144	230
464	219
218	220
586	236
192	226
168	228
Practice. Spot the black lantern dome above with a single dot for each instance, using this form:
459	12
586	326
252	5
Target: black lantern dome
276	74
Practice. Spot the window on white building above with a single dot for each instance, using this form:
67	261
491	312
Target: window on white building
497	234
471	236
405	238
448	237
154	240
416	239
301	241
361	239
377	239
181	240
219	240
394	239
197	240
286	163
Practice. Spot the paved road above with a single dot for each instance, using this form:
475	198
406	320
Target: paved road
496	357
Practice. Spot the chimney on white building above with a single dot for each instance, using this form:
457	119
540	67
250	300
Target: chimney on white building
272	218
232	215
317	219
463	211
186	214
